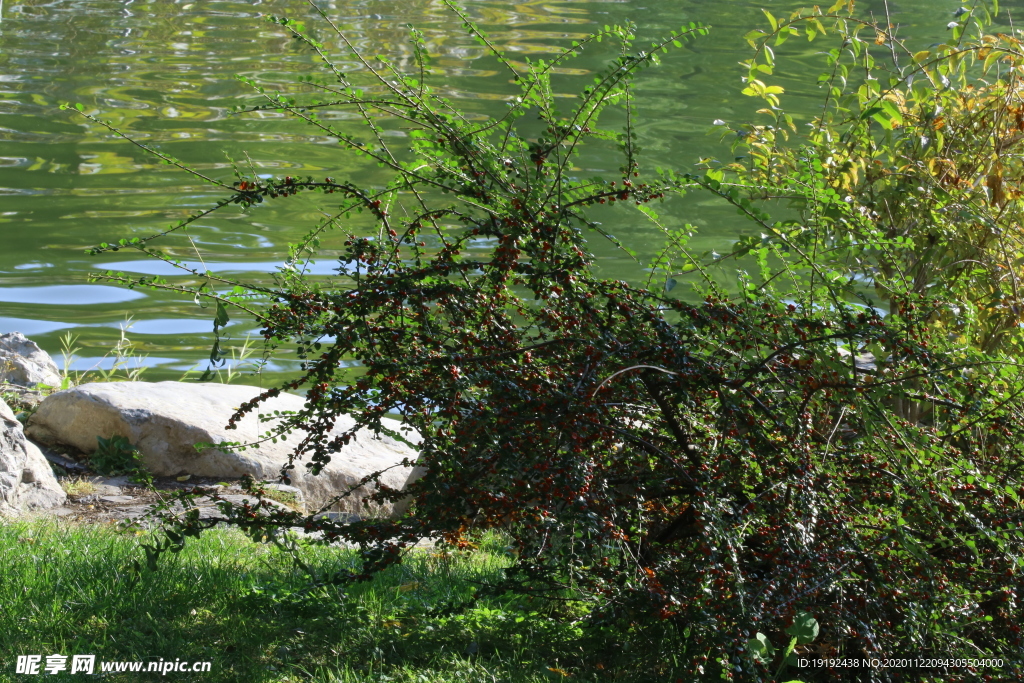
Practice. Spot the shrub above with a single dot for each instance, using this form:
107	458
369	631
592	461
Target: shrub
709	476
923	145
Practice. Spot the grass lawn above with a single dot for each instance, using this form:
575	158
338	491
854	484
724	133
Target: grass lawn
244	607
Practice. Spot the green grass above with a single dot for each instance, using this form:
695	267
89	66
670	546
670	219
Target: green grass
68	589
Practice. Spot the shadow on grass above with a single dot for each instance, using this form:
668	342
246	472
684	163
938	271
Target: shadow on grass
68	589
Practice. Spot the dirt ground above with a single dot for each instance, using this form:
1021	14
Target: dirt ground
93	498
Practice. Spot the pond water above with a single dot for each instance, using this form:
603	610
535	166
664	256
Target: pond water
163	72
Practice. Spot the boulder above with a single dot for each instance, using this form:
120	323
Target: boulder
22	362
26	480
164	420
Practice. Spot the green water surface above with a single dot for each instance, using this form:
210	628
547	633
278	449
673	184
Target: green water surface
163	72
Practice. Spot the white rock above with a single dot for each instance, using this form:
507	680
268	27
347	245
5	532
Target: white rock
22	362
165	419
26	480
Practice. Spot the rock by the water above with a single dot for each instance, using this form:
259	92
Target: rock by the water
165	419
22	362
26	480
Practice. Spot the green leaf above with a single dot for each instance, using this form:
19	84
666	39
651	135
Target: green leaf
882	119
221	318
804	628
761	649
893	111
771	20
817	28
215	355
752	37
670	284
991	58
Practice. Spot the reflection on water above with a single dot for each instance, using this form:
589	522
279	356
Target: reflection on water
93	363
68	295
158	368
157	267
31	327
153	326
166	326
163	71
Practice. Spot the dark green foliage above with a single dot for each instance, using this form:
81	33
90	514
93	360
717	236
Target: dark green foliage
116	456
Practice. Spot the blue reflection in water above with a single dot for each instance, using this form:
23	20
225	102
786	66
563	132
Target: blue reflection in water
31	327
68	295
157	267
167	326
80	364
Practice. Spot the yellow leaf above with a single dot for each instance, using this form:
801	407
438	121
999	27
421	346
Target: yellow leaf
754	88
990	58
879	38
